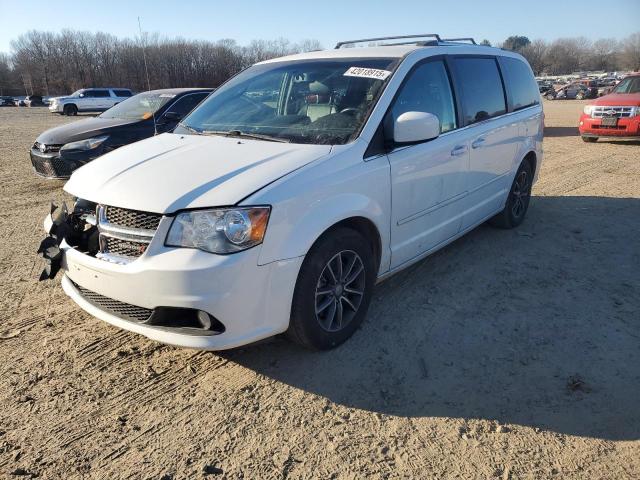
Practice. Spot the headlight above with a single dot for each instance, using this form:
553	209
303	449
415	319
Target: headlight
220	230
588	109
88	144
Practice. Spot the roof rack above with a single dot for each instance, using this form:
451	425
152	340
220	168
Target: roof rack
423	35
465	39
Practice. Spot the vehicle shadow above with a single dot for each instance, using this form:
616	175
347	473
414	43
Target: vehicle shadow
536	326
561	131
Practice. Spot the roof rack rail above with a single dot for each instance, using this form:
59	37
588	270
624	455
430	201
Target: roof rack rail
430	35
464	39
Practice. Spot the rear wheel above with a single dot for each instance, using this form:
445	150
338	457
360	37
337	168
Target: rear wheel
70	110
589	139
550	96
333	290
518	201
580	96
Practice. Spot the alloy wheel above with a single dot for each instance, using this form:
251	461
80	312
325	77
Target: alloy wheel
340	290
520	194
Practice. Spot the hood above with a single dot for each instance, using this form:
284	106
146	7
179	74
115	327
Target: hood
170	172
618	100
80	130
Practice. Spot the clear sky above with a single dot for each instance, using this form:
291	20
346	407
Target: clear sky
325	20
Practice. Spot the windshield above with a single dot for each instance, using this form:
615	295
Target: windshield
628	85
138	107
314	101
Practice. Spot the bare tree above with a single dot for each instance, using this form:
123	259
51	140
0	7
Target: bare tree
630	53
536	53
603	54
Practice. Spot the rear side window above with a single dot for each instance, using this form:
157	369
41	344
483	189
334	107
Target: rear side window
187	103
522	87
427	90
101	93
122	93
481	85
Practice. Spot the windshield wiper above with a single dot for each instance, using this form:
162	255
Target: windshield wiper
239	134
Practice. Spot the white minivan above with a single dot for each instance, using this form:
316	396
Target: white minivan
280	201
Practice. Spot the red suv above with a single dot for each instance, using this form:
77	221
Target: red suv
616	115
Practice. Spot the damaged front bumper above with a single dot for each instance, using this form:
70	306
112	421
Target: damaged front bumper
183	297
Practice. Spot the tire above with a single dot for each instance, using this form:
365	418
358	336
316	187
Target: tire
551	96
517	203
589	139
70	110
579	96
322	311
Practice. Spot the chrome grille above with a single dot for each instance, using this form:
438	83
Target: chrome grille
123	217
124	234
115	307
619	112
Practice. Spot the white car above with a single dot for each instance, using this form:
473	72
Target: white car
281	200
89	100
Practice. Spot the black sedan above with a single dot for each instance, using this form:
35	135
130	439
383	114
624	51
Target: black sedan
57	152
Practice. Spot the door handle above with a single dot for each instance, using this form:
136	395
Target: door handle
459	150
477	143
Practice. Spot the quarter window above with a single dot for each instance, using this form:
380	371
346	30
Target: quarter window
482	92
101	93
522	87
122	93
427	89
187	103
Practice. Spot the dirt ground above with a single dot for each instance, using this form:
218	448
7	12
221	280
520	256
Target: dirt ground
508	355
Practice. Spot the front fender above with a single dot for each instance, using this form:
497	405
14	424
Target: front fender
307	206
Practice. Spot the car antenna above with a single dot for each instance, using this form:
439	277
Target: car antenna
146	71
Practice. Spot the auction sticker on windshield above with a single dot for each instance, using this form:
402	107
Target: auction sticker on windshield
367	73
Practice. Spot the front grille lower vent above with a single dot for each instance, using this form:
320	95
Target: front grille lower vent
51	167
123	217
120	309
122	248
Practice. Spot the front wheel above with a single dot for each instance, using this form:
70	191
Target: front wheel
70	110
333	290
518	201
590	139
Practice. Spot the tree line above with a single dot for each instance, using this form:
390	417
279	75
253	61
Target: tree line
50	63
569	55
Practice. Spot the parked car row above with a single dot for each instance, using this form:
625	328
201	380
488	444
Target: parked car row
28	101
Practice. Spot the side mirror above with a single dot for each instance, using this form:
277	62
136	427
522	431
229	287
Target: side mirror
81	95
169	117
413	127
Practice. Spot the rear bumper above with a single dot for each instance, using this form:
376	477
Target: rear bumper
626	127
